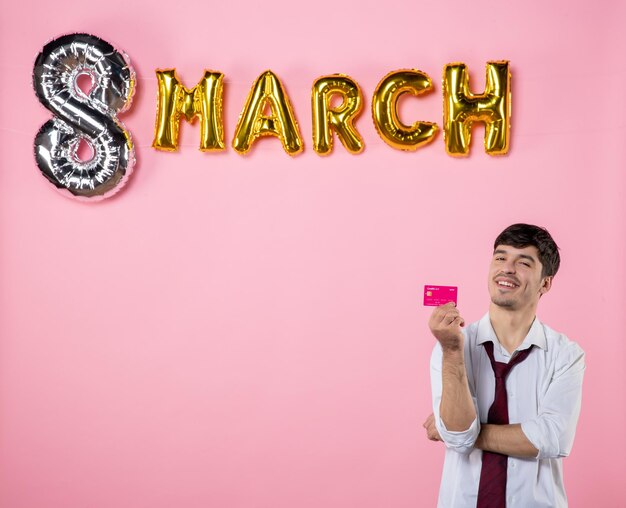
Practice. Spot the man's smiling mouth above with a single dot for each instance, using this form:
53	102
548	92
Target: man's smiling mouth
506	283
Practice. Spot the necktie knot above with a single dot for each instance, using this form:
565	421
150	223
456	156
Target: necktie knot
500	369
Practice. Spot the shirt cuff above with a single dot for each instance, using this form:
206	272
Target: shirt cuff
540	440
462	441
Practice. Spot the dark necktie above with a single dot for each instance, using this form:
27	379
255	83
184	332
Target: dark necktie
492	486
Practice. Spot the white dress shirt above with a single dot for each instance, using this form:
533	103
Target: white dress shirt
544	395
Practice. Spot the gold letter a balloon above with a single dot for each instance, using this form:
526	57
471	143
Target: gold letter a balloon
267	91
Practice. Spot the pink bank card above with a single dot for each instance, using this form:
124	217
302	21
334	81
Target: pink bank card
439	295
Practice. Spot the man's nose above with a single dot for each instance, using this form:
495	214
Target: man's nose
509	267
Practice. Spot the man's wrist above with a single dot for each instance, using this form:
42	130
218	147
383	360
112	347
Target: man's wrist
480	440
450	345
453	354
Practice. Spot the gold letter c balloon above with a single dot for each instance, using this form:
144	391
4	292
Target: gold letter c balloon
461	108
385	110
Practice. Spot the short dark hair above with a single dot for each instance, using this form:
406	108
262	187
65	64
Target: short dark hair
523	235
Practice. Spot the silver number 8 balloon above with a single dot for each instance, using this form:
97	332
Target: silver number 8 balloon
90	116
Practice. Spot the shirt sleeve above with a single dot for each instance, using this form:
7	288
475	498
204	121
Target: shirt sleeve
460	441
552	431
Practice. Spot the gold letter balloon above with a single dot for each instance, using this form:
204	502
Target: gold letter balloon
203	101
339	118
281	122
84	116
461	108
385	110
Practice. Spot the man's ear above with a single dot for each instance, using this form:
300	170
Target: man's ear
546	284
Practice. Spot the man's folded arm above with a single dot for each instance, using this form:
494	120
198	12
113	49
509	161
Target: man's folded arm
551	433
454	406
506	439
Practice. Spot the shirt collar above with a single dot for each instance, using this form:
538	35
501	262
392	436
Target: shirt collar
535	337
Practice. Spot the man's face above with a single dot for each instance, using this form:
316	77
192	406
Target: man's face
515	280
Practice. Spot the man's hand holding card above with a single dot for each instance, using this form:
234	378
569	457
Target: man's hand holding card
445	322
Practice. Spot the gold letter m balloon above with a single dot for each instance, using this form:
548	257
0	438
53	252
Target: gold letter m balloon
461	108
203	101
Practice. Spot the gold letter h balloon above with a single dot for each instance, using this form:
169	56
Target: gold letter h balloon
461	108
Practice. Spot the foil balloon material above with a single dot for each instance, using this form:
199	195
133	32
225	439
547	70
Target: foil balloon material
89	116
462	108
385	110
203	101
340	119
267	92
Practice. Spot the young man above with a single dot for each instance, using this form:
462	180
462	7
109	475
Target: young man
506	389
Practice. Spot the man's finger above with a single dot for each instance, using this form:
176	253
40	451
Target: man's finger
458	320
429	421
438	315
451	317
439	312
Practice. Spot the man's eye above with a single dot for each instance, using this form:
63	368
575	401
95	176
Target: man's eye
526	264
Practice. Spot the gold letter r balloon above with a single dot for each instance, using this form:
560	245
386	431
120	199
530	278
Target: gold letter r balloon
327	118
461	108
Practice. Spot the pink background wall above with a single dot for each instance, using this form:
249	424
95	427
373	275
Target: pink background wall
247	331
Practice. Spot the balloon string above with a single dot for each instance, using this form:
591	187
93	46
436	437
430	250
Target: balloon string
543	77
374	142
22	133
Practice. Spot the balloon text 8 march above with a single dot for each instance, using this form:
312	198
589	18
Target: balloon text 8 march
91	116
